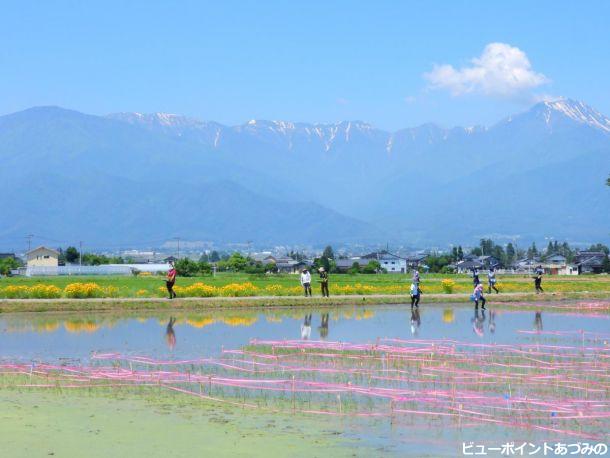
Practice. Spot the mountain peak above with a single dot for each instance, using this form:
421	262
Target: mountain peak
574	110
158	119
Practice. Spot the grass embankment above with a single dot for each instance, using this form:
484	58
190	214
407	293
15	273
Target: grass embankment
288	285
235	290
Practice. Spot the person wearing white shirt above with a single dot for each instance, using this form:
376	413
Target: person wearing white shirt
306	282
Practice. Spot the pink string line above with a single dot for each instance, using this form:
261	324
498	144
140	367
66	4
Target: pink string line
539	386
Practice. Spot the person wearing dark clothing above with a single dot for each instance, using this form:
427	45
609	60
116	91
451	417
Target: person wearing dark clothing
324	282
171	280
475	277
538	280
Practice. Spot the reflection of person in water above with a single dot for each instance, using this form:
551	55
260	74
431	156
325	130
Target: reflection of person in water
323	328
492	322
538	321
415	321
306	327
170	335
477	322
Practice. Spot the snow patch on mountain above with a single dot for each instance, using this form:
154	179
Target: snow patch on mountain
579	112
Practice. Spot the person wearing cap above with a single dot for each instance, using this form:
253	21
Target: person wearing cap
478	296
324	281
306	282
170	280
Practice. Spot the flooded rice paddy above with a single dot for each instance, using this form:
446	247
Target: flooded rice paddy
378	381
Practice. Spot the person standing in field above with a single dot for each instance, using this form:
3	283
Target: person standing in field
306	282
324	282
478	296
170	280
415	294
538	280
491	280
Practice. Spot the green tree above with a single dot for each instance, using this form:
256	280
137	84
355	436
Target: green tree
204	267
255	268
214	256
186	267
8	264
92	259
71	254
437	263
354	269
476	251
606	264
510	253
486	246
460	253
236	263
372	267
532	251
328	253
599	247
498	252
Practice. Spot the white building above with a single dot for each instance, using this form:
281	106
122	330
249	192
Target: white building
392	263
42	257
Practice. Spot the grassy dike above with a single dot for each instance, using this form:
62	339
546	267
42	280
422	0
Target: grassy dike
228	303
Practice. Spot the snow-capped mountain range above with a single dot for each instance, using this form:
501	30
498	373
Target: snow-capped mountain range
539	173
328	135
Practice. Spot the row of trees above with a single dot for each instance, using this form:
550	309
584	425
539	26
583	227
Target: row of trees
509	254
72	256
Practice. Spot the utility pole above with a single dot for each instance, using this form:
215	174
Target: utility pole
178	240
29	237
80	253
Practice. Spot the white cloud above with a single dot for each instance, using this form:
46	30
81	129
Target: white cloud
501	69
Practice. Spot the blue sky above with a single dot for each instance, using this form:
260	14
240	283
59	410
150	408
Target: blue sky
383	62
